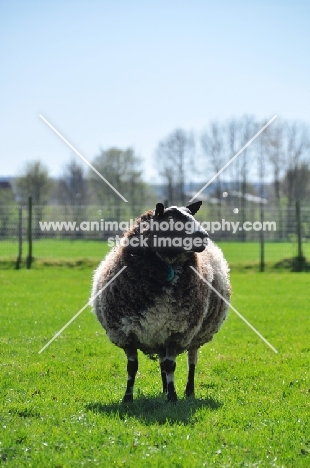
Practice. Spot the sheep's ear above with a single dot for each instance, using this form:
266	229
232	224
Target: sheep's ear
194	207
159	210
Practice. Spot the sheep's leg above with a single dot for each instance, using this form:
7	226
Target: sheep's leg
163	373
132	367
192	361
168	366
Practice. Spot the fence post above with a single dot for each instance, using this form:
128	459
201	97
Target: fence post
29	258
300	258
20	238
262	240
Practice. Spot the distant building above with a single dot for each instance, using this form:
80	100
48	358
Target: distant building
5	185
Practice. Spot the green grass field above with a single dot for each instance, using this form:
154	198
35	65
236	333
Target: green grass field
62	408
57	248
78	252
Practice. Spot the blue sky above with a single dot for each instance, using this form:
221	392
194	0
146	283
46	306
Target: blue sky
127	73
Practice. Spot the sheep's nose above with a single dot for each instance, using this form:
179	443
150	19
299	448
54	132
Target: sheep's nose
201	233
202	242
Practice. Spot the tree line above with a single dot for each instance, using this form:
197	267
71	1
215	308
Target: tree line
278	160
279	157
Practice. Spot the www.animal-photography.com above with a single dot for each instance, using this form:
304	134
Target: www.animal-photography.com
154	234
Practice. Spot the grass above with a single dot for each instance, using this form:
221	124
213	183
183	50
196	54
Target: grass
62	408
57	248
249	252
79	253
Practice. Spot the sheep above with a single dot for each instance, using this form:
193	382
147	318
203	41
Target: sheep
158	304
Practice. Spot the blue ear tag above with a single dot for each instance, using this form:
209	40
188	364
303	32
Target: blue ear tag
170	275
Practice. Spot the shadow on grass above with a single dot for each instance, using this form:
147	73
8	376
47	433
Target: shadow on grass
156	409
295	264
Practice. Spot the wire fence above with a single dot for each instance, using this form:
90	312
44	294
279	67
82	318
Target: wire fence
250	234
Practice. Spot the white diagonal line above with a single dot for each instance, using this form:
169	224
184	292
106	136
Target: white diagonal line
80	311
82	157
235	310
233	158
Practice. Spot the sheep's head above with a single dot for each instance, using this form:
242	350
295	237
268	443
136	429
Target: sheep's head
174	230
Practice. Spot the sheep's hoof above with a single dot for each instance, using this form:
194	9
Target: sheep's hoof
128	398
172	397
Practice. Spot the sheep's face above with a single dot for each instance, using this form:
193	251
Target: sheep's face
174	230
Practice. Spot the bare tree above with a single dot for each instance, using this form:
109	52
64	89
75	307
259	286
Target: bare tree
214	149
263	155
248	129
277	162
276	155
72	186
297	144
238	132
175	160
72	192
233	130
269	155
